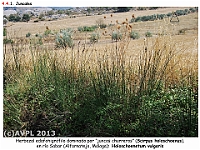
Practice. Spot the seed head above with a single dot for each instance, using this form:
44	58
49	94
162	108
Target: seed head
123	22
118	27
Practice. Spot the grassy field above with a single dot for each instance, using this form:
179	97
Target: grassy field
78	85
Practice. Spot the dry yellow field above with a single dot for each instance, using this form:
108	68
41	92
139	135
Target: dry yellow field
22	28
185	44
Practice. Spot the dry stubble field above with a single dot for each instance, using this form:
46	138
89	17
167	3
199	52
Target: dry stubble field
186	43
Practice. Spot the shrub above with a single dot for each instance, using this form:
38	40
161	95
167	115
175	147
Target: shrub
42	19
87	29
6	41
100	23
160	16
187	11
148	34
4	32
40	40
169	14
132	20
94	37
193	10
145	18
80	29
181	31
47	32
123	9
138	19
28	34
141	8
36	20
153	8
41	16
181	12
102	26
153	17
116	36
134	35
64	39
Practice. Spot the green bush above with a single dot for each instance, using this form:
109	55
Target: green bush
87	29
134	35
28	34
47	32
145	18
169	14
102	26
116	36
4	32
64	39
6	41
132	20
138	19
80	29
148	34
180	12
193	10
153	8
94	37
160	16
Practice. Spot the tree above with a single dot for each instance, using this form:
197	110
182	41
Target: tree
60	11
89	10
50	13
11	17
17	18
26	17
41	16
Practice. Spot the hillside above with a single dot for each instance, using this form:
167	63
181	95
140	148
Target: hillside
40	27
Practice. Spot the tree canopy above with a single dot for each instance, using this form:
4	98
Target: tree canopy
26	17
